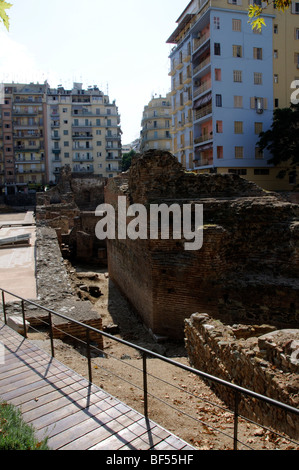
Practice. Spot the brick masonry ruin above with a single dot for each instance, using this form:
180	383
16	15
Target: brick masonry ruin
255	357
247	269
69	208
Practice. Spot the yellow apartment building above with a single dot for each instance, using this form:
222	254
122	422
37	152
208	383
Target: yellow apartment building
156	125
226	81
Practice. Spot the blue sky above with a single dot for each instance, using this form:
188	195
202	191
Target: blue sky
119	45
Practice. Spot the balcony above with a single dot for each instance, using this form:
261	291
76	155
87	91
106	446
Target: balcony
202	65
202	112
197	43
86	136
83	159
204	87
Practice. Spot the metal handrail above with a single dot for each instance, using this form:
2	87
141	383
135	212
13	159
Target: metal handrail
238	390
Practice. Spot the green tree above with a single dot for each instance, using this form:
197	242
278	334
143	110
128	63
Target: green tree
255	12
127	160
3	15
282	140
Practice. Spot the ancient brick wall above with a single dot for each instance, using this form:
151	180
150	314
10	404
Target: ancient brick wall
255	357
246	270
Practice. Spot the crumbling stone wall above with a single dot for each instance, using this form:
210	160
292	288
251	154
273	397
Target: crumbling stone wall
55	292
255	357
247	269
69	208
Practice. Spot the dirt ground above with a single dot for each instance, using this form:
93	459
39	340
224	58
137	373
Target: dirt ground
188	407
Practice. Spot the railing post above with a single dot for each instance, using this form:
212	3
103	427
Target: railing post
145	385
24	319
4	308
51	334
88	355
236	415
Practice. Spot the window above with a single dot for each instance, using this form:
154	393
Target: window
257	78
276	103
275	54
261	171
216	22
65	132
219	127
219	100
296	33
236	25
239	151
238	101
258	127
237	75
238	125
295	8
66	155
217	50
66	144
258	154
237	51
219	151
238	171
259	104
275	78
275	29
258	53
218	75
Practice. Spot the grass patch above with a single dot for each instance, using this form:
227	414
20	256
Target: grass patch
15	434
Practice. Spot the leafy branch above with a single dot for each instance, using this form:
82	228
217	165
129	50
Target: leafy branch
255	11
3	15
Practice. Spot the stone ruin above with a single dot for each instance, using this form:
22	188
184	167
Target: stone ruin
245	276
69	208
245	272
255	357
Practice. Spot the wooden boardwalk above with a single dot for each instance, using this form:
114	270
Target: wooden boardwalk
72	412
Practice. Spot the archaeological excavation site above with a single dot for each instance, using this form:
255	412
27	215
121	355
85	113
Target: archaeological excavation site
232	306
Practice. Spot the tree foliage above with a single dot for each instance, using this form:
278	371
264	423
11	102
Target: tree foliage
282	140
3	15
127	160
255	12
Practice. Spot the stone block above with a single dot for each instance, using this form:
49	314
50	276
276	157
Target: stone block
17	324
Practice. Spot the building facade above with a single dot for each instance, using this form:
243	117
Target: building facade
22	138
44	129
156	125
226	80
83	130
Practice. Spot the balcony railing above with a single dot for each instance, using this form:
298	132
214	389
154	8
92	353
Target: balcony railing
199	113
202	64
204	87
197	43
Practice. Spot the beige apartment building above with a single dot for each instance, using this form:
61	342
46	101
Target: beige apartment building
44	129
226	81
156	125
83	132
